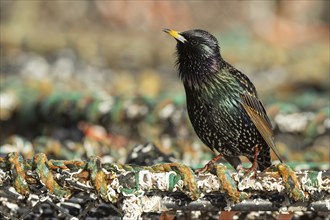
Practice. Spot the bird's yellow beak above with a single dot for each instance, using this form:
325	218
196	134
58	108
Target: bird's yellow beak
175	34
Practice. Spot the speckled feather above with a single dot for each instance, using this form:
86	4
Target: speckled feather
222	102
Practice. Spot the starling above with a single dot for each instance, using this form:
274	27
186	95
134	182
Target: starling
222	103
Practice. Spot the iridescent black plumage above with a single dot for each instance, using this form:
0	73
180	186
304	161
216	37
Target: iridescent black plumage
222	103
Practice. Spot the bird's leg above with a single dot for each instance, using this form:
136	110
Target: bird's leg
254	166
209	165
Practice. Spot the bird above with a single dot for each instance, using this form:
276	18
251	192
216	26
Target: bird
222	103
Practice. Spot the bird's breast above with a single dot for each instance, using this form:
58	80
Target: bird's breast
220	121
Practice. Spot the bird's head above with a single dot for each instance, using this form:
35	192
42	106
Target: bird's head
198	55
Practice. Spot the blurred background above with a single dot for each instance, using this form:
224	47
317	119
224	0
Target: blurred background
82	78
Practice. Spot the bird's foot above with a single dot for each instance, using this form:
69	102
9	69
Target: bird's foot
209	166
253	169
250	172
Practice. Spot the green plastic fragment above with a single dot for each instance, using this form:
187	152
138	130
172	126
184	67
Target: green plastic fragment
173	180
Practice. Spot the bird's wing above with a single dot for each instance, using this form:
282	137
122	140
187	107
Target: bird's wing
256	111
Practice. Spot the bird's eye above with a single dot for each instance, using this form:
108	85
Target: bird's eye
193	42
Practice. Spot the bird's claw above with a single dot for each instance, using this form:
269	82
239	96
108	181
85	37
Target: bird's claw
207	168
249	172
